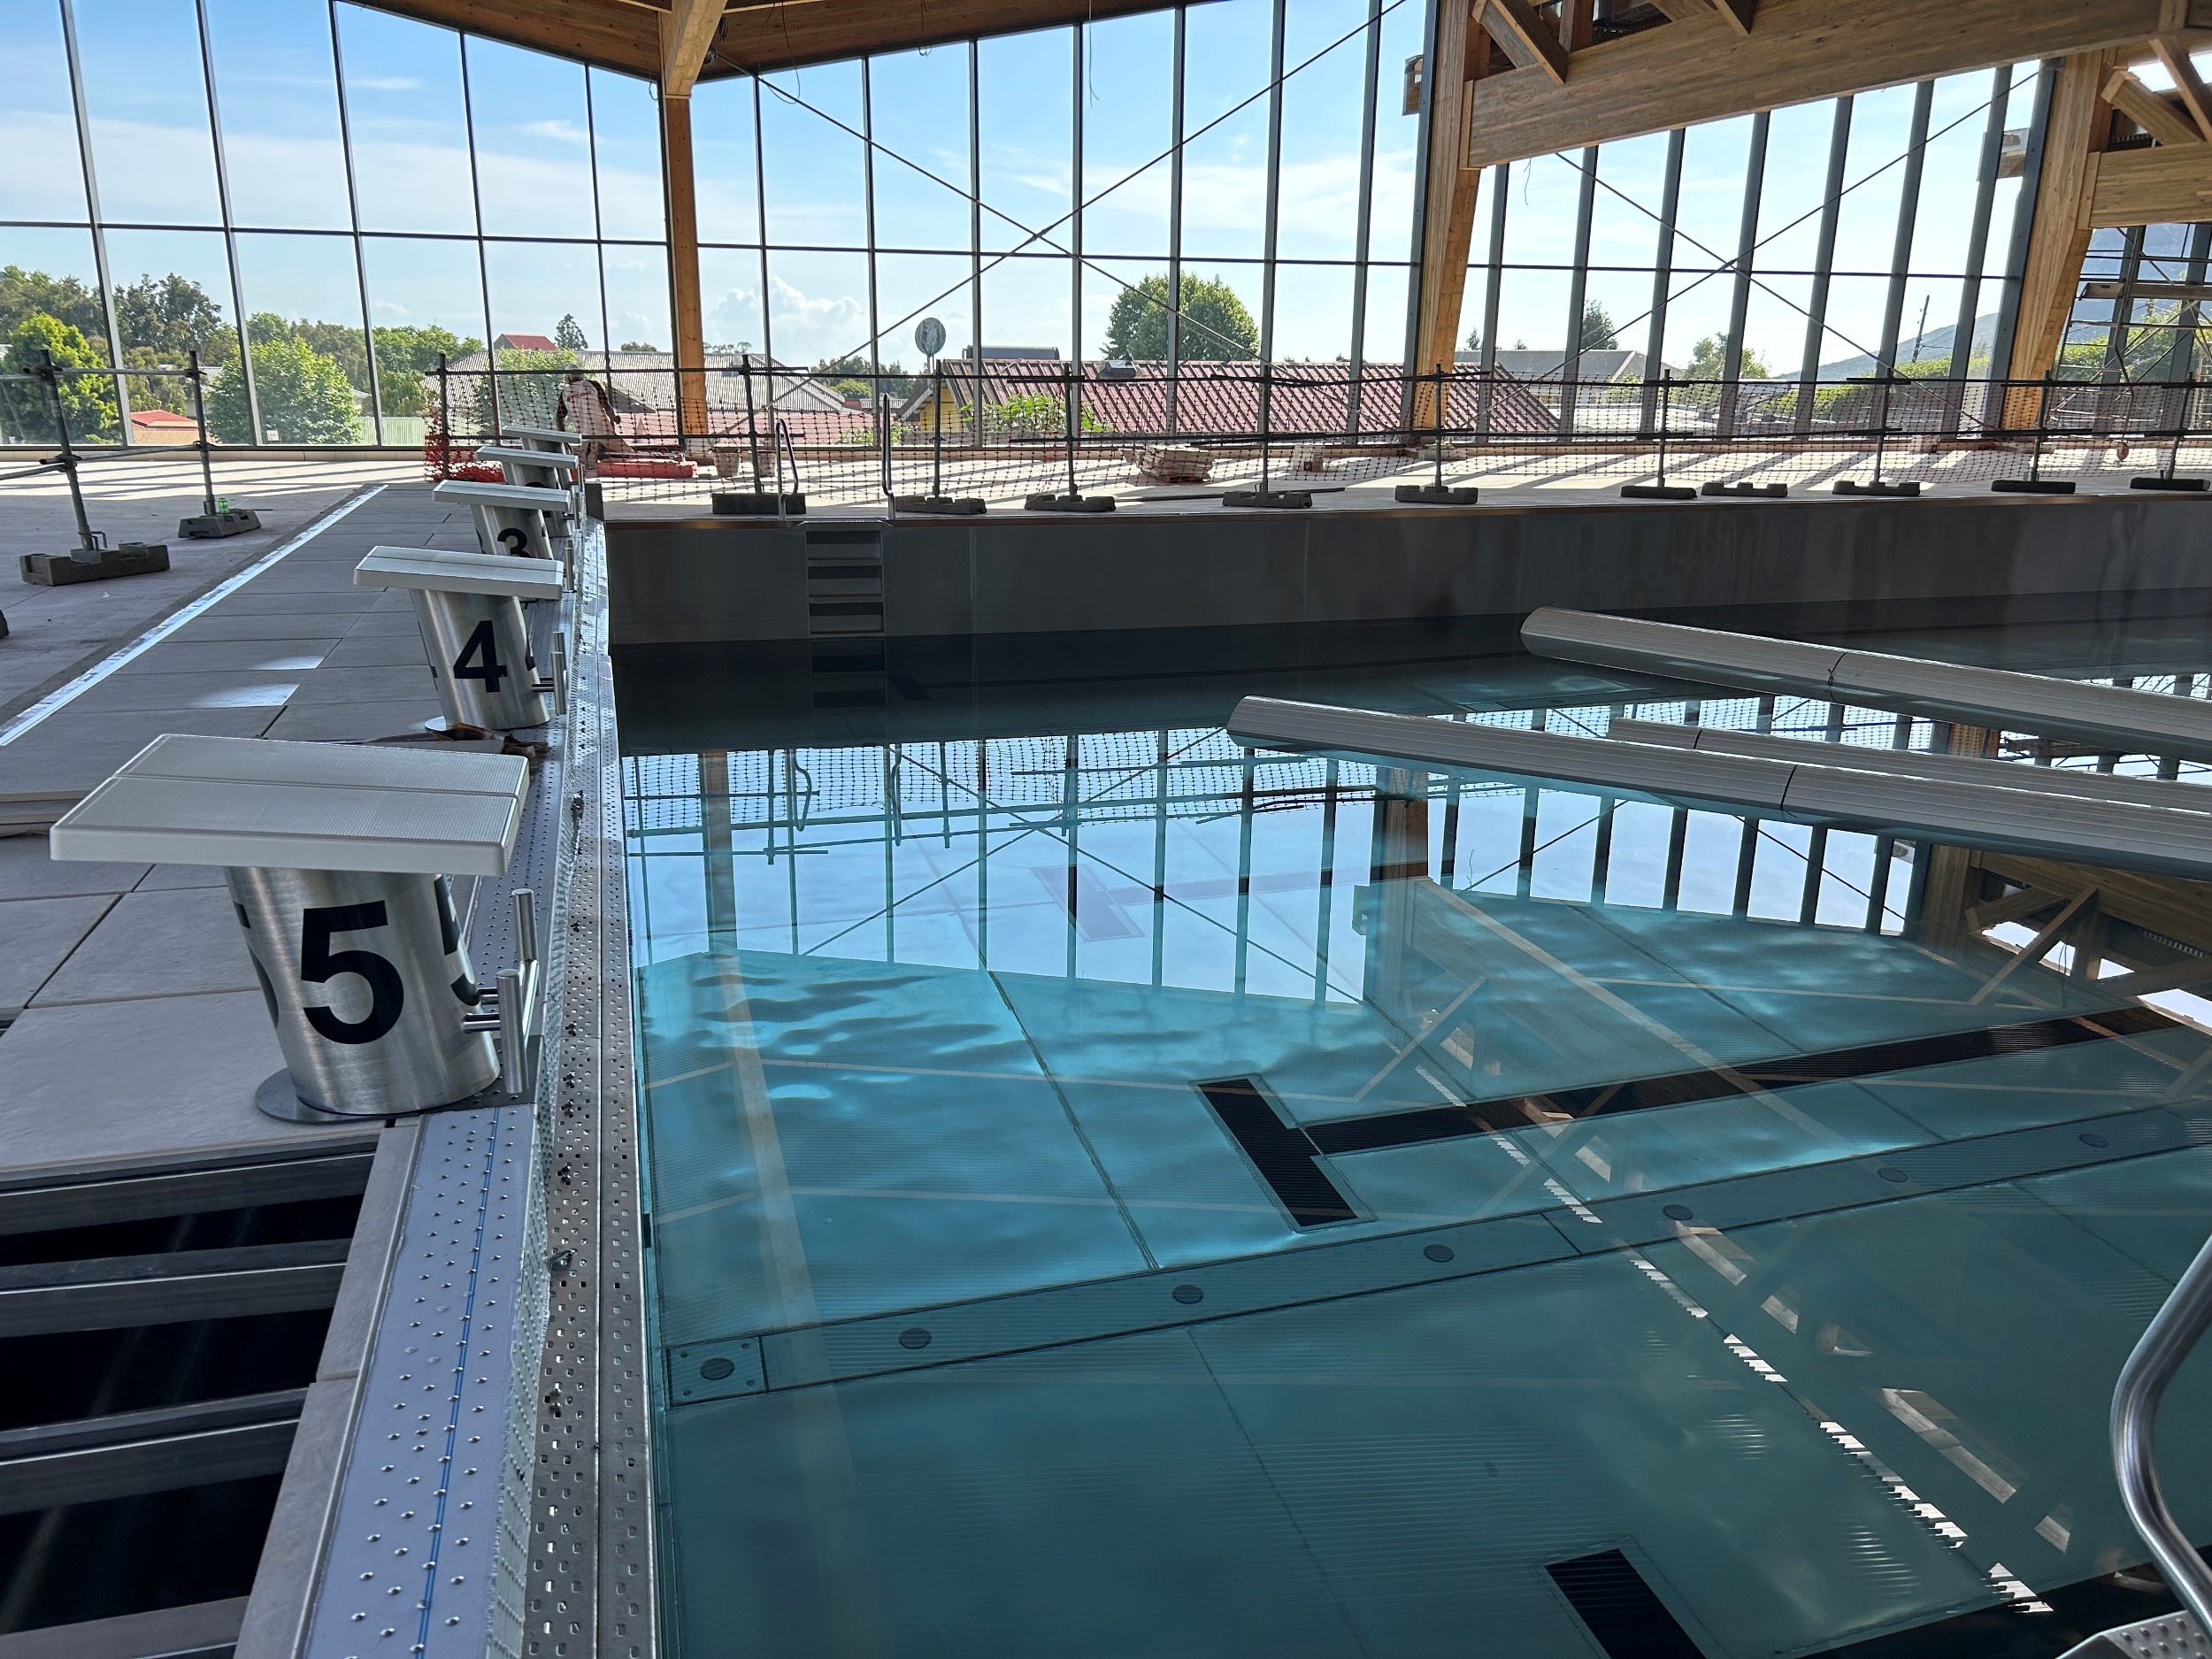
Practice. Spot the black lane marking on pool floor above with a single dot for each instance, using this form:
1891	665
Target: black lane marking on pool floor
1513	1112
1281	1152
1623	1611
1320	1269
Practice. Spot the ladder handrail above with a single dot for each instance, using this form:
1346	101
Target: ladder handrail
2172	1335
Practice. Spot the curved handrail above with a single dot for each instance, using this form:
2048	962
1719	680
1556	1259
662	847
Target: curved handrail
2174	1332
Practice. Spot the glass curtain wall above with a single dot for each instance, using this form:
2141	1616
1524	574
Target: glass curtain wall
318	199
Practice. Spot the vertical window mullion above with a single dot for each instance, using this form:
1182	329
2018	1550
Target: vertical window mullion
353	221
1824	264
1362	234
99	229
1908	220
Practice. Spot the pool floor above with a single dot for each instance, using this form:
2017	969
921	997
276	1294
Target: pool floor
1115	1194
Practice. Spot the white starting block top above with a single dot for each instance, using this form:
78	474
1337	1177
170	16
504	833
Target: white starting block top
256	803
560	460
439	571
503	495
543	435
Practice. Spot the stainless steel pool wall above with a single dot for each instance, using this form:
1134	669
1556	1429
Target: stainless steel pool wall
1019	581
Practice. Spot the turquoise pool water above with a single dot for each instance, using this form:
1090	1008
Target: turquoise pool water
1116	1193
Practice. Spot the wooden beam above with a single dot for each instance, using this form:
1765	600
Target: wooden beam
1699	68
758	35
1578	19
1739	12
683	269
2163	120
2188	85
2080	122
611	35
1463	54
686	32
1515	25
2171	185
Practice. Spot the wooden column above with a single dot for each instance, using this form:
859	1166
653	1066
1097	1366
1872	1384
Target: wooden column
2081	122
1447	226
683	269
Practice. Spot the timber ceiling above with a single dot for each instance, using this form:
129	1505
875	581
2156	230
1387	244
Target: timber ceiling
753	36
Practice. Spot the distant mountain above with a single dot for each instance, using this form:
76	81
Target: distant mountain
1935	343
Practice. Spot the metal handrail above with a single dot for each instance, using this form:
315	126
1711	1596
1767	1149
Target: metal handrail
2173	1333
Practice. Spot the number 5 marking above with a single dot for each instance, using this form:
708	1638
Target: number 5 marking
319	964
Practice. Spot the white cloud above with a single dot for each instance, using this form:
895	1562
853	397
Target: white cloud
564	132
384	83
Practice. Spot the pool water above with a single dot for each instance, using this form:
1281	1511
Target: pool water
1115	1192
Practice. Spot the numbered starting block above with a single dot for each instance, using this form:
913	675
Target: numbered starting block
556	438
337	858
510	518
540	468
469	607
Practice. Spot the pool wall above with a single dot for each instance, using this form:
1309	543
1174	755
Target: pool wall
1835	565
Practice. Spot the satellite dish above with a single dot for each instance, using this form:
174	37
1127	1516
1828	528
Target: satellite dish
930	336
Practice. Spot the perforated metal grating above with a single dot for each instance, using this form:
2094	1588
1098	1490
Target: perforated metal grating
590	1578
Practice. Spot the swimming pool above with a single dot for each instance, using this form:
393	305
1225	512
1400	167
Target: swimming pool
1113	1192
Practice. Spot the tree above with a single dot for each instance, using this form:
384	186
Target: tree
88	401
569	332
1599	331
1216	327
529	388
306	397
26	293
405	359
167	315
1708	361
855	376
639	345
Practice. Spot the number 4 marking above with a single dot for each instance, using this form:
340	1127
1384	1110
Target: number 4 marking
487	667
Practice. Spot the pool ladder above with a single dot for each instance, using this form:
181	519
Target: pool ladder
2174	1332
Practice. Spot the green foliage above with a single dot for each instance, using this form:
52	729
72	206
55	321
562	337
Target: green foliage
1043	415
1708	361
569	334
1599	331
168	316
529	389
88	401
26	293
639	345
854	376
1216	327
306	397
407	361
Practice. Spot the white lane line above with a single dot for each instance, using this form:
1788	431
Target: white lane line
153	636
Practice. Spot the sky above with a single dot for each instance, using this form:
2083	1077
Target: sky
559	212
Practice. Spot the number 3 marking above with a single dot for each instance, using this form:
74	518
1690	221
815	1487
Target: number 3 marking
517	542
319	964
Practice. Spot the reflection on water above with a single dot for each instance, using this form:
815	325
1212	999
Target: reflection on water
929	1023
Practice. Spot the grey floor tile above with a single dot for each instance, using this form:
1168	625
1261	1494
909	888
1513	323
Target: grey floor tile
386	623
36	936
379	648
199	656
80	749
225	688
168	943
161	876
29	871
363	685
110	1082
354	722
258	627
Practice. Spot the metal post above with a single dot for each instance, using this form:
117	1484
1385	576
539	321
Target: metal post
937	435
1746	245
1978	248
868	188
1270	235
199	417
1501	183
85	538
1578	291
2174	1330
1073	379
1824	266
99	224
1662	275
975	245
230	236
1907	221
1361	231
476	206
752	430
1175	229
